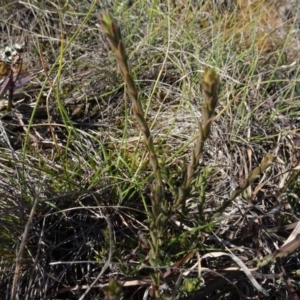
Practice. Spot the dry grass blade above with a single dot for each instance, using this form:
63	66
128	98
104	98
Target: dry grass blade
292	291
283	251
266	162
10	84
5	85
14	289
243	267
294	233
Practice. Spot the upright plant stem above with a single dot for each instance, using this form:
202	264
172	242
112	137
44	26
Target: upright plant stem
210	86
157	215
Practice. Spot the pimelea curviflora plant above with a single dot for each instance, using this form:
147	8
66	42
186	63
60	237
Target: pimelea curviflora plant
161	208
